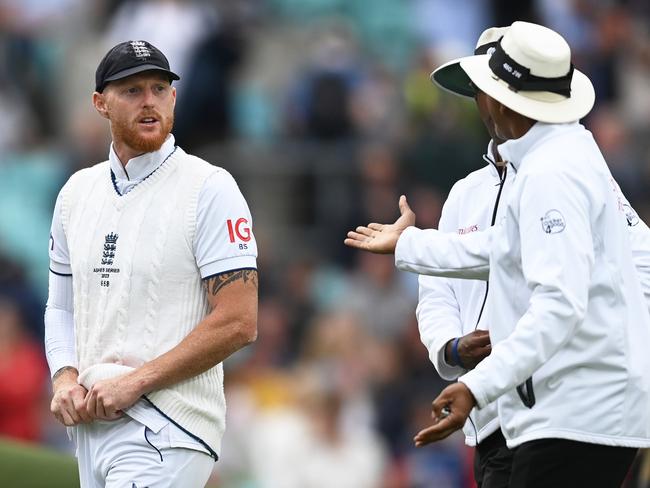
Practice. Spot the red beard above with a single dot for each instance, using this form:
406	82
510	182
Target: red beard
125	132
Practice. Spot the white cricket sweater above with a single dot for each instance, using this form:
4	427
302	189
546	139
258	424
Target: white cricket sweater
137	287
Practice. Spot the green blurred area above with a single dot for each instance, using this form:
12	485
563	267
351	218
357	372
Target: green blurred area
28	466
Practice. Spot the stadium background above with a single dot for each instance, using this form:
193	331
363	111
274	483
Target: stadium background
323	111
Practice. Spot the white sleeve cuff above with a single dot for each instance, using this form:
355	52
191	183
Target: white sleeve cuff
446	370
472	382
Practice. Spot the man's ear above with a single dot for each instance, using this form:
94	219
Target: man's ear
99	102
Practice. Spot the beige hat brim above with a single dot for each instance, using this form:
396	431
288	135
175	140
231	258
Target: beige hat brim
537	105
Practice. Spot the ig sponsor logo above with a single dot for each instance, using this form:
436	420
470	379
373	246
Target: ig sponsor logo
239	231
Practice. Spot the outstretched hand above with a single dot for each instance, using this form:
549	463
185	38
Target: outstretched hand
382	238
458	401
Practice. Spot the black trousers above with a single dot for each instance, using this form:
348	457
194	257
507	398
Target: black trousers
493	462
559	463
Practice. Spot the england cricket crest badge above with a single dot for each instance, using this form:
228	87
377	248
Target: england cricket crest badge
110	246
108	257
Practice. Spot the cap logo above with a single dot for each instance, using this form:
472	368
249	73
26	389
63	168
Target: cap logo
140	49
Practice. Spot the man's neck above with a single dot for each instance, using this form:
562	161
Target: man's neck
125	153
496	157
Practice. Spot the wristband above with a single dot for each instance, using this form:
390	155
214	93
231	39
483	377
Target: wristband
454	353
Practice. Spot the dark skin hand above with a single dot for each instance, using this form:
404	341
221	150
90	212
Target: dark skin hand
460	401
472	349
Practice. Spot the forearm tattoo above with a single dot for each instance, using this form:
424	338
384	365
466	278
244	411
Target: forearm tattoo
217	282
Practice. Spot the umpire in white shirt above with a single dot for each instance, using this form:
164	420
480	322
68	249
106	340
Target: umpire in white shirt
569	323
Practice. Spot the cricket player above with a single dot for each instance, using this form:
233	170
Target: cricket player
569	323
153	284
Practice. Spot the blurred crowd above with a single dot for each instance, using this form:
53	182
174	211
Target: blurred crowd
324	112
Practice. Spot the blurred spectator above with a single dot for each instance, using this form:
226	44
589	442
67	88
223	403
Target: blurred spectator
377	296
22	376
321	101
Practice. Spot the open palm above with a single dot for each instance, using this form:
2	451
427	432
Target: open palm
382	238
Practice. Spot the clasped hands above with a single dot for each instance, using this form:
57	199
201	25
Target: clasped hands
72	404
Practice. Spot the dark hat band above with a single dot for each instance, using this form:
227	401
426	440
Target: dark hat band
520	79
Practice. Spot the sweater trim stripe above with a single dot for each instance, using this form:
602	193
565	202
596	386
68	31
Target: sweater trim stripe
227	271
193	436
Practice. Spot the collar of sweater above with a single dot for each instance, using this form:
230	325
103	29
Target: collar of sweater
140	167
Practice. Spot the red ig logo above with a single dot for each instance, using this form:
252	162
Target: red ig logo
239	229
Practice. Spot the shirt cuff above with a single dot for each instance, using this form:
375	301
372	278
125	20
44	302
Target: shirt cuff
472	381
402	247
228	264
446	370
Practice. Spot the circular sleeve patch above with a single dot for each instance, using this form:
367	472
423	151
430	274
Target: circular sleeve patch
553	222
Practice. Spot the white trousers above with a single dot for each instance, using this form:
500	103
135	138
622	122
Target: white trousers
127	454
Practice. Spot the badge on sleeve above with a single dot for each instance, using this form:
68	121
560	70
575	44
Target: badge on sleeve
553	222
239	231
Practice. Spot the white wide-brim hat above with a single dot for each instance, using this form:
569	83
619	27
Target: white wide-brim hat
530	72
451	77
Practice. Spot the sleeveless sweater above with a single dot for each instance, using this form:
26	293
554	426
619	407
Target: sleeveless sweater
137	287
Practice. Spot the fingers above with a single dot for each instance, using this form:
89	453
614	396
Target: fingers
91	404
438	404
438	431
407	216
79	404
481	340
359	239
355	244
377	227
98	408
483	352
367	231
64	410
403	205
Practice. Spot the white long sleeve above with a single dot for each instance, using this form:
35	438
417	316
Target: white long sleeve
438	311
59	324
436	253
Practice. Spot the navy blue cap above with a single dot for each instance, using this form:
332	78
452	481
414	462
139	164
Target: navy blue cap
129	58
